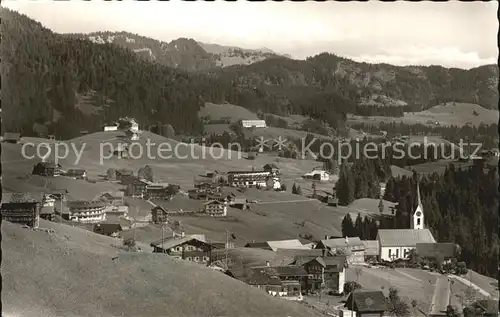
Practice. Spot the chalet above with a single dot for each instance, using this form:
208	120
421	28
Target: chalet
253	123
123	173
248	178
352	247
272	169
117	210
215	208
318	175
47	213
324	272
441	250
268	282
136	188
367	303
159	215
286	273
108	229
113	198
10	137
21	208
47	169
278	244
239	202
77	173
158	191
371	250
186	247
128	123
87	211
396	243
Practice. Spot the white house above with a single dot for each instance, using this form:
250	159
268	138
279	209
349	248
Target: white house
48	201
111	128
134	126
319	175
396	243
253	123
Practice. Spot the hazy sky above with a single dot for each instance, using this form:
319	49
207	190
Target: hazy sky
452	34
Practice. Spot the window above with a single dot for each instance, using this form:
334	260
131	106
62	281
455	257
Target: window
189	258
390	252
197	259
418	221
397	253
205	258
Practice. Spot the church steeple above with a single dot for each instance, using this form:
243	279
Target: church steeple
418	215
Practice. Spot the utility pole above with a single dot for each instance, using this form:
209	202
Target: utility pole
162	237
227	246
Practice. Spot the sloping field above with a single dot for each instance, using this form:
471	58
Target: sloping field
449	114
366	206
220	111
77	273
419	287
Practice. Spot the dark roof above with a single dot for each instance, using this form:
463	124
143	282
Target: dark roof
21	198
124	172
259	245
48	164
76	171
272	165
107	228
366	301
85	203
431	250
11	136
170	242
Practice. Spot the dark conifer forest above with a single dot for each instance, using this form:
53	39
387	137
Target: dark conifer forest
460	206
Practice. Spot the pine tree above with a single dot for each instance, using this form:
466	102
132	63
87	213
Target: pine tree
348	229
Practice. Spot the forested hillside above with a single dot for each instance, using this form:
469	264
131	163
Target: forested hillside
62	85
460	206
414	87
66	85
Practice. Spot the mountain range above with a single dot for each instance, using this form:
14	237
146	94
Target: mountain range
183	53
92	79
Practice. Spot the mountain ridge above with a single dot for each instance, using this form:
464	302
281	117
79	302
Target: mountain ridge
49	73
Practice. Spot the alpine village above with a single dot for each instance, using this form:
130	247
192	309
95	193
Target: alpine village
281	225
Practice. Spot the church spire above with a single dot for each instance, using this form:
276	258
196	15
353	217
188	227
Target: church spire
418	215
419	200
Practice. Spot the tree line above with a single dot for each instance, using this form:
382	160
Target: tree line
460	206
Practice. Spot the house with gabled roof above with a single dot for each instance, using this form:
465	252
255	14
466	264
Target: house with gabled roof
352	247
11	137
187	247
215	208
367	303
21	208
324	272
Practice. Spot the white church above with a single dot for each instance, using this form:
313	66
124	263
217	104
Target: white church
396	244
